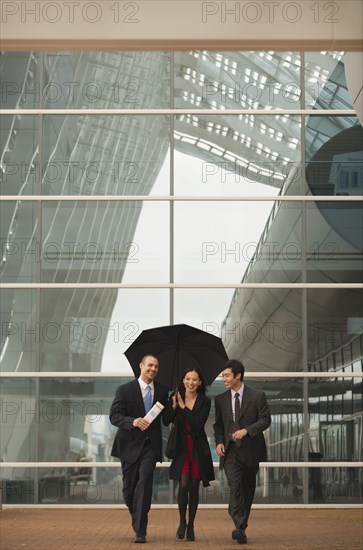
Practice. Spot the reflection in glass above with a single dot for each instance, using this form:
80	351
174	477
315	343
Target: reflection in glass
269	328
20	488
334	238
20	330
228	241
241	154
85	242
237	80
333	152
284	438
72	418
104	155
76	329
20	77
74	424
325	485
202	308
96	241
106	80
88	486
325	82
278	255
20	169
19	423
88	330
335	406
91	242
334	242
334	321
20	250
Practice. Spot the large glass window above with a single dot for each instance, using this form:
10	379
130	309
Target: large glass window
215	189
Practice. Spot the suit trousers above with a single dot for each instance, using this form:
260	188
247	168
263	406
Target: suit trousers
137	480
242	484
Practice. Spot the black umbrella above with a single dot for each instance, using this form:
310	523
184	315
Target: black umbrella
179	347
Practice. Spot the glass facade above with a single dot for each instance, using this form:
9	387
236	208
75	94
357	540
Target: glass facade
217	189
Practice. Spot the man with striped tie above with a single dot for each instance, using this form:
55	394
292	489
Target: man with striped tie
138	444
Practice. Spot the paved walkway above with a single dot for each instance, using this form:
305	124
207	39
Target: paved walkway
97	529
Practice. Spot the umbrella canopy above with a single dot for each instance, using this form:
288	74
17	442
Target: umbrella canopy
179	347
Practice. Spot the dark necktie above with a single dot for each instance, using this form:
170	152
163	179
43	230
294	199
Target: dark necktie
237	411
148	399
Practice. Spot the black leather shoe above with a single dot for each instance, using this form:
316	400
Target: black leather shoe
190	533
240	536
140	539
180	532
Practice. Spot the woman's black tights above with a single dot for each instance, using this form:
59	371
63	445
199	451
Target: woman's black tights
188	497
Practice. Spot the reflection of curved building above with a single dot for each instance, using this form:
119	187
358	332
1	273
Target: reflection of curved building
77	155
86	155
334	232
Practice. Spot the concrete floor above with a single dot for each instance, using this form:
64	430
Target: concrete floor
100	529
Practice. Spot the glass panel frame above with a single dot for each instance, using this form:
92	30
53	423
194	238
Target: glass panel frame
49	330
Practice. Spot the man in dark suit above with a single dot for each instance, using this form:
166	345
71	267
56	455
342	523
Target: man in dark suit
138	444
242	415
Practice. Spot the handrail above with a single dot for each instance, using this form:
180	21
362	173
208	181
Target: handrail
311	464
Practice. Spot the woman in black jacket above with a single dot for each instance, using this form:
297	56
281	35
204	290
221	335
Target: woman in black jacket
188	408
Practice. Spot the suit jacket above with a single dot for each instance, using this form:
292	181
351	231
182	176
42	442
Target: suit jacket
255	418
127	405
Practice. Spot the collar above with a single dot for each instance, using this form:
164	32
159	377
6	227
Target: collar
240	392
143	384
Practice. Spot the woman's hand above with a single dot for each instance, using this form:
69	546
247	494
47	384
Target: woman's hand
175	400
180	401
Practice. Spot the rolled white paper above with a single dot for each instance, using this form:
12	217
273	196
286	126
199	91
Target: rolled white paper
154	412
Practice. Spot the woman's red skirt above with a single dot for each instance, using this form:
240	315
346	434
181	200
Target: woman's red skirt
190	465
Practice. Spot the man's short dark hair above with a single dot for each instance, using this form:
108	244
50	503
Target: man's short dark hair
236	367
143	360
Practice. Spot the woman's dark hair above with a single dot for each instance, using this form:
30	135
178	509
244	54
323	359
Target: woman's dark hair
201	388
236	367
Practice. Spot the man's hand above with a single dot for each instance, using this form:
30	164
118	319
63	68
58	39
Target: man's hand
220	450
141	423
239	434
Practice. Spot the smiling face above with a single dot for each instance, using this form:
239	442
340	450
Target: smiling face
191	381
231	381
149	368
